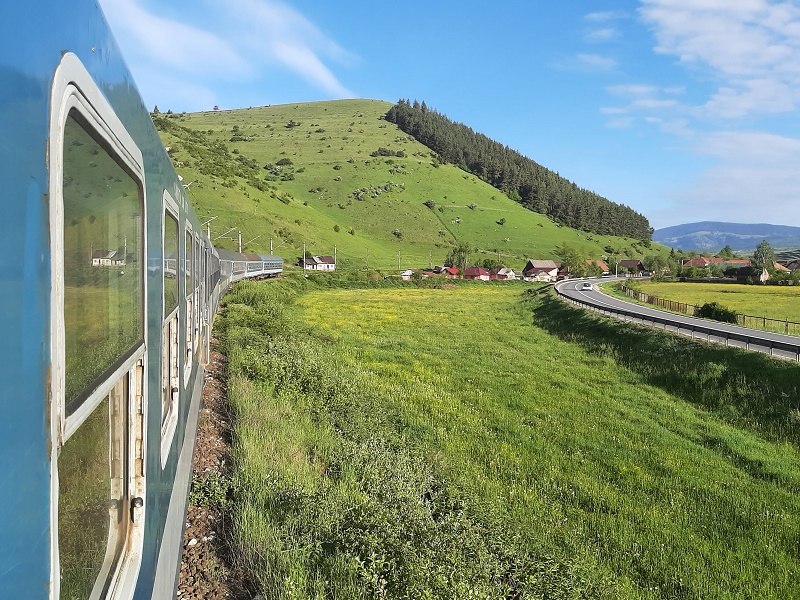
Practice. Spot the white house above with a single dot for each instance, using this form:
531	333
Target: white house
503	273
318	263
107	258
540	270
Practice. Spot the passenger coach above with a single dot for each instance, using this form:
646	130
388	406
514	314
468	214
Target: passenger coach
109	288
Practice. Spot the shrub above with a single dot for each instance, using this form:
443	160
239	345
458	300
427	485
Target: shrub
429	203
717	312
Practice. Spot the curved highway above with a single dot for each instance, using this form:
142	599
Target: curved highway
784	346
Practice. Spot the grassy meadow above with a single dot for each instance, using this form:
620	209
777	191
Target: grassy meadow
486	441
322	186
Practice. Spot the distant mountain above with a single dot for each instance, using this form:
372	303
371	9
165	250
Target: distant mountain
713	235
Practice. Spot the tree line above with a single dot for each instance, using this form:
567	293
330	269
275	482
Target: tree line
524	180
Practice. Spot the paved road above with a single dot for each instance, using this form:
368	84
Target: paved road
784	346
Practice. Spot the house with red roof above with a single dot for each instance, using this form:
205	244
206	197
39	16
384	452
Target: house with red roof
604	270
476	273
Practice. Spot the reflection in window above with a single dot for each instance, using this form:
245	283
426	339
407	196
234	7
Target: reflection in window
92	515
170	263
102	262
169	366
189	265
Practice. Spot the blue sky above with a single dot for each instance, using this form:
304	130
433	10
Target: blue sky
685	110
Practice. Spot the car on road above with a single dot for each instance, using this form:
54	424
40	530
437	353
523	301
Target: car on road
586	286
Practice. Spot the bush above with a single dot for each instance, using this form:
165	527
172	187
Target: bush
717	312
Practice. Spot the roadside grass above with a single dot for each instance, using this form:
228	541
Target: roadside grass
770	301
311	199
460	442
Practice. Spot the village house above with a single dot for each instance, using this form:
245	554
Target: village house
751	274
793	265
107	258
634	266
407	274
318	263
702	262
604	270
476	273
540	270
779	268
446	272
503	273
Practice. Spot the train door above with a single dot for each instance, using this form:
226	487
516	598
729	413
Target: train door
98	332
170	359
197	298
207	303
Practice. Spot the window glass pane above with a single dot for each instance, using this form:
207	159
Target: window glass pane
92	515
189	265
170	263
102	262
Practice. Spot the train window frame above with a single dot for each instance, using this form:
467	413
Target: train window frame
73	91
189	303
170	390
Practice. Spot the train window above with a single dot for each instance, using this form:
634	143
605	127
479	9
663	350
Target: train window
188	271
170	261
92	514
97	232
169	344
102	262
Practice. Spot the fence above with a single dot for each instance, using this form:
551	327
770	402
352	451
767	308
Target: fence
778	348
752	321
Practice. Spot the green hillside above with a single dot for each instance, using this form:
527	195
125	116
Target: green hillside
306	173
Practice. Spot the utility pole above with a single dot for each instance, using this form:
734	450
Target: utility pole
334	257
367	259
207	224
430	259
240	241
270	245
398	260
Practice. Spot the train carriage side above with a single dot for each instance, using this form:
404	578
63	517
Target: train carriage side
109	291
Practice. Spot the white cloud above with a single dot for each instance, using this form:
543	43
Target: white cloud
239	41
754	180
603	34
605	16
751	47
596	62
172	43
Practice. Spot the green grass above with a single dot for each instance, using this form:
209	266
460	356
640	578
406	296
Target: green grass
330	155
410	443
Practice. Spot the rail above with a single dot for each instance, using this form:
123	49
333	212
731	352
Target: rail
709	334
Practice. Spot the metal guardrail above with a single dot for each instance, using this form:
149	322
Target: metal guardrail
784	326
721	336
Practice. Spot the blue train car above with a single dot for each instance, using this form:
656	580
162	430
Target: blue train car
109	288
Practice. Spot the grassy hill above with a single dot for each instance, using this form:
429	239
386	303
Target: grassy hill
320	184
